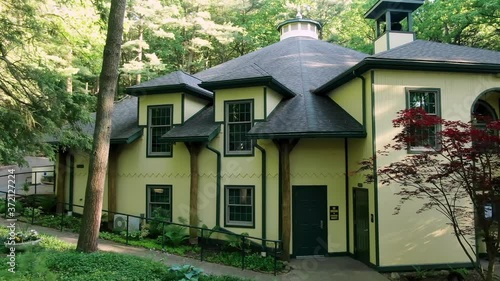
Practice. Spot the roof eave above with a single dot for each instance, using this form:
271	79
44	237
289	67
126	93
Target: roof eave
206	138
168	89
288	135
249	82
135	136
403	64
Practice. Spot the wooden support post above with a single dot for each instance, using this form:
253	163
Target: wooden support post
61	180
194	151
114	152
285	147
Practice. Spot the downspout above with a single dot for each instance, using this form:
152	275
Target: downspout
71	181
363	92
264	190
219	169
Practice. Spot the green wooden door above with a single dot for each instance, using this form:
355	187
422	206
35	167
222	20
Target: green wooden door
361	225
309	220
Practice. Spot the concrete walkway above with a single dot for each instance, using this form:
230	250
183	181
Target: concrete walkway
310	269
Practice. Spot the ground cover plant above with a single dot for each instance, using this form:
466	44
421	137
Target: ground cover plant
54	259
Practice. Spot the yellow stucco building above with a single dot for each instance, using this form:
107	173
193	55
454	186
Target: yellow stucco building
277	133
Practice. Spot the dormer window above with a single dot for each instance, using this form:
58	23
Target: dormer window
238	119
159	122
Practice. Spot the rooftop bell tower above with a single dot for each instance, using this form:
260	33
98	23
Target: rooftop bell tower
394	22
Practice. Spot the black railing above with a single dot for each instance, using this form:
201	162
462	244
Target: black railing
23	181
245	239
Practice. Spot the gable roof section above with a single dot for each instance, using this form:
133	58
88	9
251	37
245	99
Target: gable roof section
124	128
201	127
299	65
310	116
422	55
175	82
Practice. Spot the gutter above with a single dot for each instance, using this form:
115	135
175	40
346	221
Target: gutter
264	191
219	169
363	90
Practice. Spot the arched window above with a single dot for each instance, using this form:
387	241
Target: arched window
482	113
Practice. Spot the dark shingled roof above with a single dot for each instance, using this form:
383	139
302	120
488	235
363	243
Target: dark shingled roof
424	56
177	81
200	127
440	52
301	64
124	127
316	116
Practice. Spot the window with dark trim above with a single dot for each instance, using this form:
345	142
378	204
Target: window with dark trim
159	122
238	121
239	205
429	100
159	201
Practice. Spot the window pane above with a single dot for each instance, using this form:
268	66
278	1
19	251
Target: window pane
159	195
240	213
160	122
240	205
159	202
427	100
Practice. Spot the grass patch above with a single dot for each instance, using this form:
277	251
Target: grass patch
54	259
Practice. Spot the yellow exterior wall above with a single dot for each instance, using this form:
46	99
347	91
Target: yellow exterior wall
174	99
349	96
272	100
320	162
135	171
410	238
192	105
359	149
254	93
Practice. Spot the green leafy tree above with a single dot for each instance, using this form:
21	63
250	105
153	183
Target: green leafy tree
35	66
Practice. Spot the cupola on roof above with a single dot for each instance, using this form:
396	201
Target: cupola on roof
299	27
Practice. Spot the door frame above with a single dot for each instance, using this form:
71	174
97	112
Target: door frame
324	189
355	250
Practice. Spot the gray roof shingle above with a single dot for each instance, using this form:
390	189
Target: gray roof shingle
177	81
124	128
200	127
439	52
301	64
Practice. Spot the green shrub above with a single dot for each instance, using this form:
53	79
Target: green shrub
30	212
156	225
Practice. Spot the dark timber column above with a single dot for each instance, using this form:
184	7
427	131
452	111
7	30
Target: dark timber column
61	180
114	153
286	146
194	151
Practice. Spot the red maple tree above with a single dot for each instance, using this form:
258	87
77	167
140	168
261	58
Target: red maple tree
459	176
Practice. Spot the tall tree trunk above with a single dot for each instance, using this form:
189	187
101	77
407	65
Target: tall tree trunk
91	219
139	53
194	151
285	147
114	153
61	180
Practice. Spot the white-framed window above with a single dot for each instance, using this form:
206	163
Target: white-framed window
430	101
159	201
238	121
240	207
159	122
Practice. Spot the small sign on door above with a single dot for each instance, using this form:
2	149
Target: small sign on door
334	213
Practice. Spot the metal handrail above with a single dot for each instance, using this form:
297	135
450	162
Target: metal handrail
243	238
